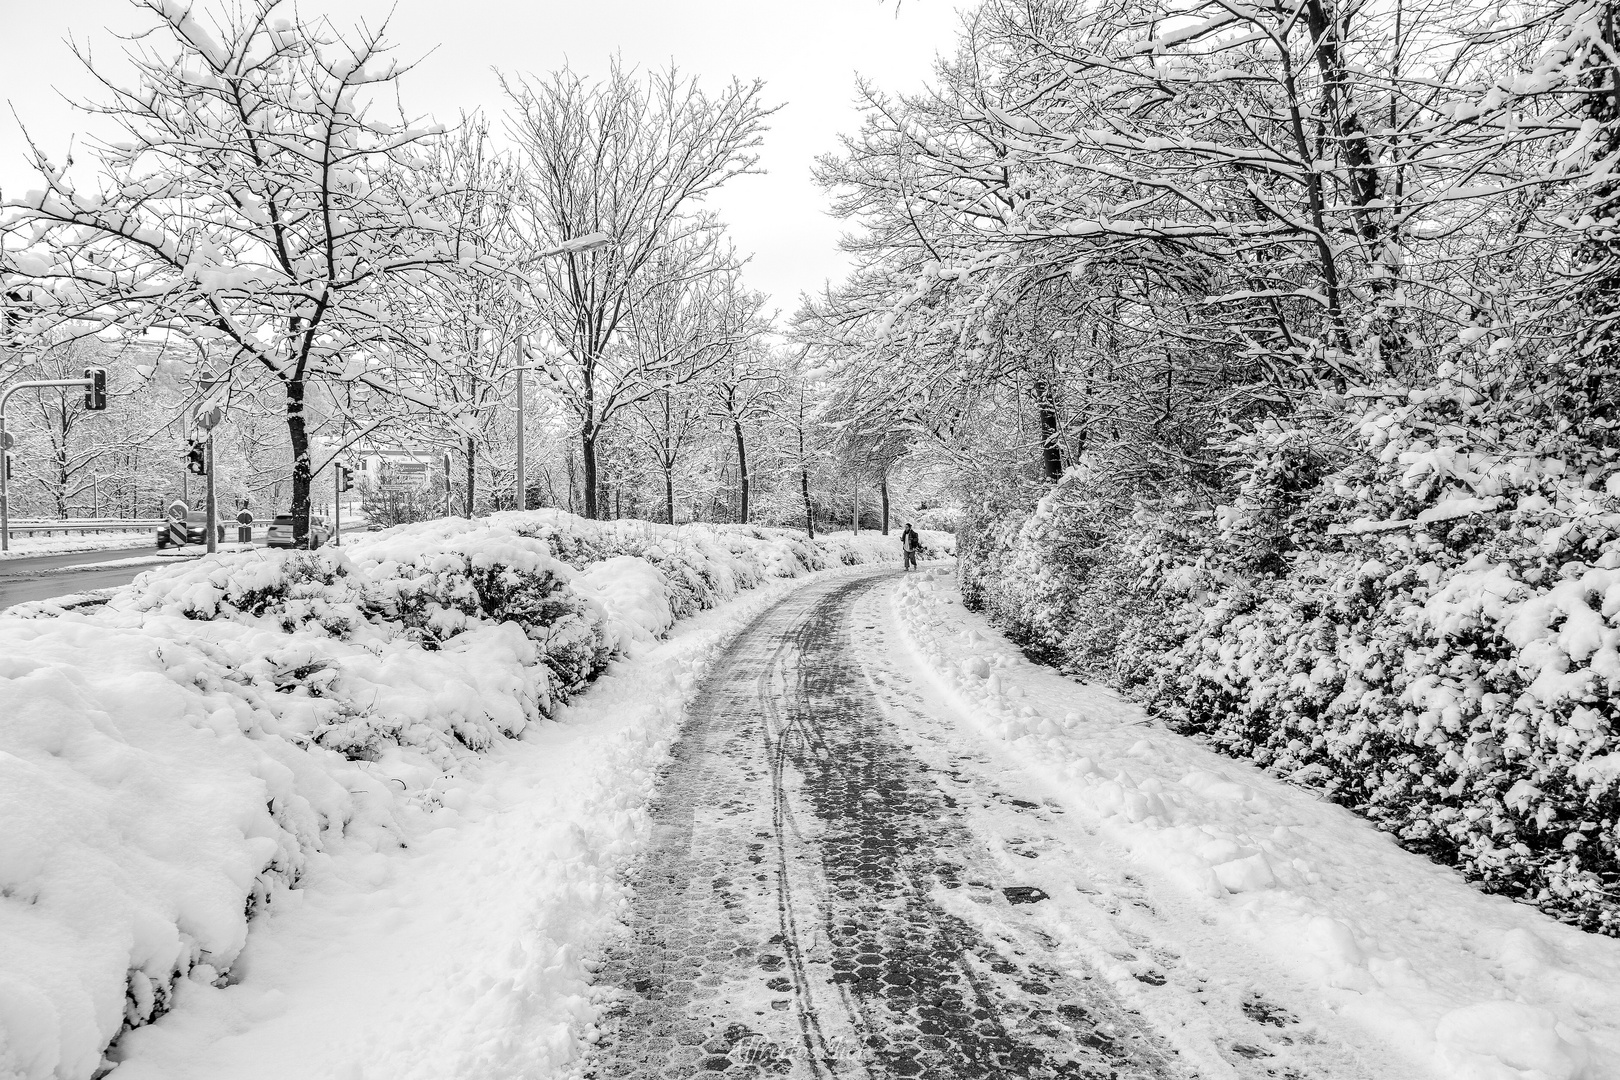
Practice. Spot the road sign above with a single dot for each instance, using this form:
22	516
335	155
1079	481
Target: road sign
244	518
7	440
177	510
208	419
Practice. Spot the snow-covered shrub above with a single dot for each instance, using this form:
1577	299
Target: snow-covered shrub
291	589
1412	602
1064	581
169	761
438	582
1440	653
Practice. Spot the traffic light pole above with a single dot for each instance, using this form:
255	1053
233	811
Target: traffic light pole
87	383
213	508
337	502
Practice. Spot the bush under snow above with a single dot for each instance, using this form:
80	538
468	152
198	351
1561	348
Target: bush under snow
1418	612
169	761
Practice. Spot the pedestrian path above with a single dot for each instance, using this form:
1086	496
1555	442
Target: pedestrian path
814	903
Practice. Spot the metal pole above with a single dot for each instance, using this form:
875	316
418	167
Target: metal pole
5	486
337	502
213	511
522	462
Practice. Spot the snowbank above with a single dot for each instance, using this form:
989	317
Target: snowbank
171	762
1467	986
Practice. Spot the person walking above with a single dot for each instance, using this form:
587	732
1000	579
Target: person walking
910	544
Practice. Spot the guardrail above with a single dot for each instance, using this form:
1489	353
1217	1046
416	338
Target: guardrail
66	526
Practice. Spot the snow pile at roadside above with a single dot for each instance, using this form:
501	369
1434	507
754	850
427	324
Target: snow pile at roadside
171	761
1469	986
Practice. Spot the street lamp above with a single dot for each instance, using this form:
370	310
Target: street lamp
522	460
570	248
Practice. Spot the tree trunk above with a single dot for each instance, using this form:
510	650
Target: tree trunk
587	447
809	513
804	477
298	436
472	475
883	489
62	464
669	495
1051	448
742	471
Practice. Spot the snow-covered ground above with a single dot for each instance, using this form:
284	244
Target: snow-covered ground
1257	885
457	867
174	763
24	546
466	952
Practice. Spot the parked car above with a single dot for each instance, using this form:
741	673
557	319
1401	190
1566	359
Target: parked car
280	533
196	529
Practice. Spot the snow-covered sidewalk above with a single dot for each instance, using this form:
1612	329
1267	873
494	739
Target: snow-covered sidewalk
1256	881
467	952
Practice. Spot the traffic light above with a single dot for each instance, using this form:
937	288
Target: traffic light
345	477
195	460
95	395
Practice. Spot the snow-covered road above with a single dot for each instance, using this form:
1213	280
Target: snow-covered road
885	846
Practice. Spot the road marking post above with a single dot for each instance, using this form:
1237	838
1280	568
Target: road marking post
177	512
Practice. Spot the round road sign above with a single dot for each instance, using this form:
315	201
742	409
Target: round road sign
177	510
209	419
7	441
244	518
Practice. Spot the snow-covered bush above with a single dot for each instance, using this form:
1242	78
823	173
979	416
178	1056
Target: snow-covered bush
170	761
1063	580
1412	602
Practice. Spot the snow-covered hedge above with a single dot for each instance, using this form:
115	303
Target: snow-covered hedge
1417	610
171	760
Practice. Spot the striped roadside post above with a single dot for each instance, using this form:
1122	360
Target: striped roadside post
176	514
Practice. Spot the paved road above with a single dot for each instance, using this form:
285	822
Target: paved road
23	565
42	577
814	903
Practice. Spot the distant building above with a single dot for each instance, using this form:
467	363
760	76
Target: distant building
401	470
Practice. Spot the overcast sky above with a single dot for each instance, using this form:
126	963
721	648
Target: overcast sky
808	53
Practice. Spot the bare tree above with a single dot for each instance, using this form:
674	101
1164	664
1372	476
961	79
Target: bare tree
254	203
744	381
634	158
468	327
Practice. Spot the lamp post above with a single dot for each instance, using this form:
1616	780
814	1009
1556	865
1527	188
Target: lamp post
522	459
577	246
